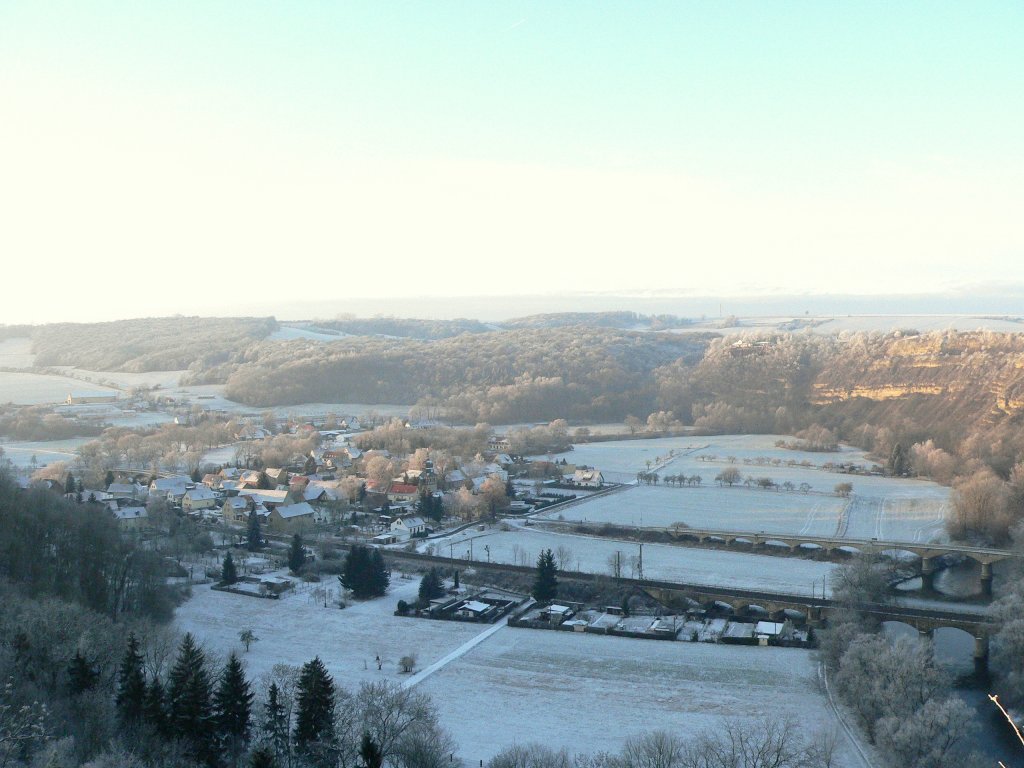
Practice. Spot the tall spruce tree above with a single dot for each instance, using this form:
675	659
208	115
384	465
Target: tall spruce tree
430	586
232	703
275	722
189	694
155	710
314	694
380	576
131	685
545	585
82	676
364	573
228	571
296	554
254	536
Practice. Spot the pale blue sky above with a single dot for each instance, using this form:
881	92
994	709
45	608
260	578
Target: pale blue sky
703	147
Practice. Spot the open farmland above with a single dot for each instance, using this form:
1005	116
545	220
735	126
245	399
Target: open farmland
616	687
724	568
297	627
880	507
37	389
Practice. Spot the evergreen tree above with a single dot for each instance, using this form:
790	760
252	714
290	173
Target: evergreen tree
189	689
254	535
232	705
275	722
430	586
296	554
899	462
545	586
315	705
109	479
380	576
69	483
81	675
370	753
364	573
228	572
154	709
131	688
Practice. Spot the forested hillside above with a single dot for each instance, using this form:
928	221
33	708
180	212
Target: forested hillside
152	344
963	391
578	372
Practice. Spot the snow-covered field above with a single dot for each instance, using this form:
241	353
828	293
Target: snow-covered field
16	353
290	332
661	561
731	509
881	507
297	627
37	389
20	452
589	693
518	685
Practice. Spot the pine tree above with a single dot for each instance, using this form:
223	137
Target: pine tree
109	479
191	714
275	722
228	572
545	586
296	554
380	576
899	463
364	573
430	586
81	675
69	483
232	705
254	535
131	689
154	709
315	705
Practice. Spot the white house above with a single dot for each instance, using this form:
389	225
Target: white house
472	609
588	478
410	526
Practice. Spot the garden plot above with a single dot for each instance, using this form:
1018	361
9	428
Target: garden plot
297	627
713	567
520	684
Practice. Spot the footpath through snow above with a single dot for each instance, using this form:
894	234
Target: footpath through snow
462	650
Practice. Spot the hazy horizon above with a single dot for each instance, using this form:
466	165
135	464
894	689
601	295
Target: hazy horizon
495	308
161	159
